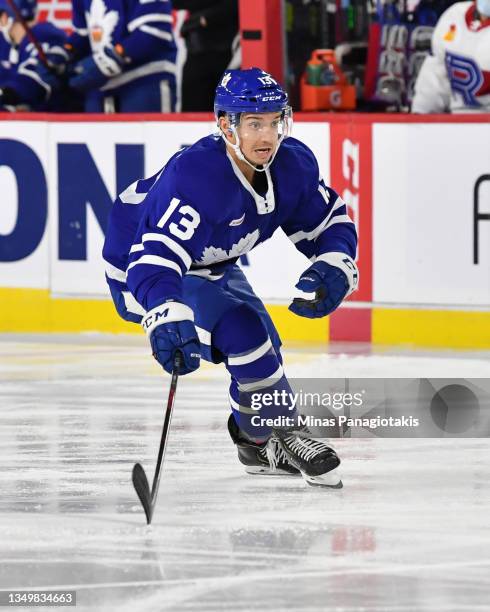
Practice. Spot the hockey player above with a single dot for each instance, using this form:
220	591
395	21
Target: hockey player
124	55
25	81
456	77
172	247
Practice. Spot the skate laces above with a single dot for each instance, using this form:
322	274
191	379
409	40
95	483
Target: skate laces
274	454
305	448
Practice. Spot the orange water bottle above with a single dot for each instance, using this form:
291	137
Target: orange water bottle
324	86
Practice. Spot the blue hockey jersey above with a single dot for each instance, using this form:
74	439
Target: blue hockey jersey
199	214
22	71
142	27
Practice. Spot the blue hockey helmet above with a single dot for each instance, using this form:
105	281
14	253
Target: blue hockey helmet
26	8
249	91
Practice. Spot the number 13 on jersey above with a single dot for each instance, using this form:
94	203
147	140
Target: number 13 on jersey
185	227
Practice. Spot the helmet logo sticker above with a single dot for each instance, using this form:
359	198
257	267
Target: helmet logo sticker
226	79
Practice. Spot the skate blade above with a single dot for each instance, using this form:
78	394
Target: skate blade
330	480
265	471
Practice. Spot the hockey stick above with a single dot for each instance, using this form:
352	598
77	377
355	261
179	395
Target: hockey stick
140	481
30	35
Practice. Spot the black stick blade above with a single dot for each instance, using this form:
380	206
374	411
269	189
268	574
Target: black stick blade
140	483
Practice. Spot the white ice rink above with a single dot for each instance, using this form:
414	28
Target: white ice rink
409	531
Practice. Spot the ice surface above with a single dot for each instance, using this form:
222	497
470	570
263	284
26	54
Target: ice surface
409	531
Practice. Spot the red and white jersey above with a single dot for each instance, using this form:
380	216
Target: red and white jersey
456	77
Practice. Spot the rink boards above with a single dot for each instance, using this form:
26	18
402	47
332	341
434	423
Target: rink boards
417	188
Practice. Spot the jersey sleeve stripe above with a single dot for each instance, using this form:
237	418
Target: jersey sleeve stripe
313	235
131	304
339	202
301	235
159	249
115	273
56	50
140	71
23	69
156	32
155	260
338	219
171	244
130	195
203	335
324	193
136	23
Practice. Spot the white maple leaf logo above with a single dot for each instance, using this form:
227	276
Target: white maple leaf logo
212	254
226	79
101	24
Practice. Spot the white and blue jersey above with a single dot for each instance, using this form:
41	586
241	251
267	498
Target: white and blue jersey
199	214
142	27
22	71
180	233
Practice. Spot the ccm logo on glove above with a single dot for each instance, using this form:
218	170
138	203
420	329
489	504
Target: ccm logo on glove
170	311
170	327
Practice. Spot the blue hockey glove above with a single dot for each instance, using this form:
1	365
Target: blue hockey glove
170	327
332	278
95	70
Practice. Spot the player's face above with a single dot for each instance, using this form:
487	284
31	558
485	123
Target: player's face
259	135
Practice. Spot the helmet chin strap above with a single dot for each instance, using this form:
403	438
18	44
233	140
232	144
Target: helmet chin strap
241	156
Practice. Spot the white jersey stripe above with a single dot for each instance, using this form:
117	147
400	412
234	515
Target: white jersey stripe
313	235
251	356
301	235
141	71
324	193
204	336
24	69
129	195
205	273
171	244
264	382
339	219
339	202
242	409
155	260
136	248
156	32
114	273
136	23
132	305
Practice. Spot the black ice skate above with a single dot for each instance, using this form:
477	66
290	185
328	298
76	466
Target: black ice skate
316	461
267	458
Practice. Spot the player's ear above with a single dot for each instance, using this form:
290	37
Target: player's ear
224	124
